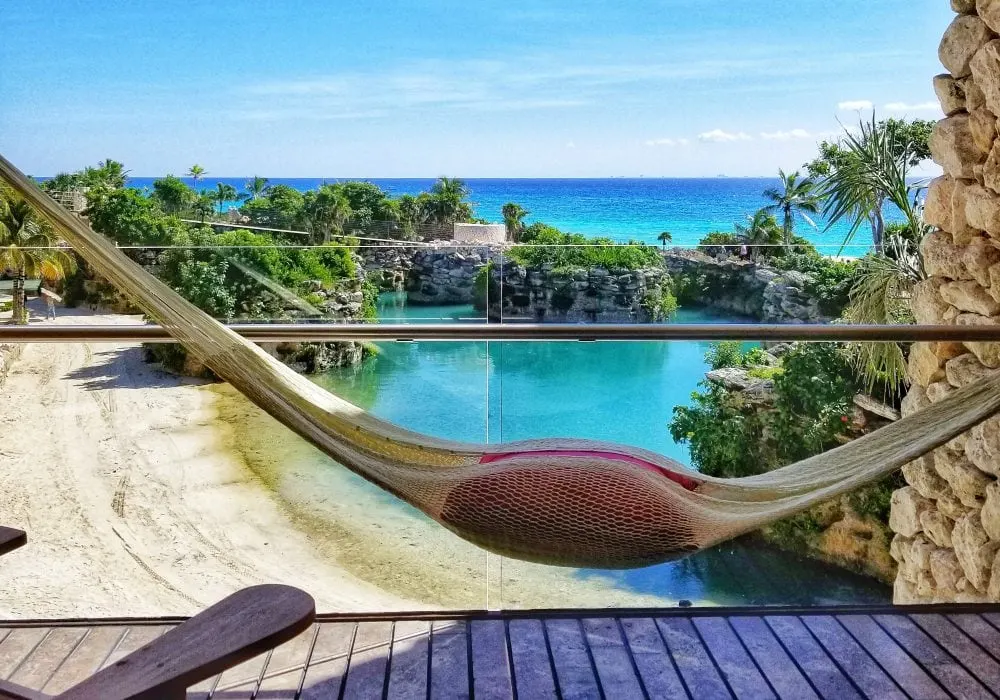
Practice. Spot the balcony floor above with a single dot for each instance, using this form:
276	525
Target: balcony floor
939	651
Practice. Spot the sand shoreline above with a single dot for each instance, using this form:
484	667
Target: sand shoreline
133	497
144	493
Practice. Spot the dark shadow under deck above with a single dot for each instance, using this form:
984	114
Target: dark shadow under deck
866	651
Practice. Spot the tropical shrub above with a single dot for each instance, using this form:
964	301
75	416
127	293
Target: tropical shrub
546	245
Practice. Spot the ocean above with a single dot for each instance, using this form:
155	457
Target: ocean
619	208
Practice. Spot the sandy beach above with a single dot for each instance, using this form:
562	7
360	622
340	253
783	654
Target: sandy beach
132	495
144	493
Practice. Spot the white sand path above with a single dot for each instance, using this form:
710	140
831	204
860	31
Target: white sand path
133	499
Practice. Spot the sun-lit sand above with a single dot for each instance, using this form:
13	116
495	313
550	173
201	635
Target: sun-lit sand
148	494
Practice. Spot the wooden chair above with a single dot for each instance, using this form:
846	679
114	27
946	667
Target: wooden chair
234	630
11	539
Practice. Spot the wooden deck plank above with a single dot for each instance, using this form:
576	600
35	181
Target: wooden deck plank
855	661
135	638
993	618
892	657
980	631
939	663
48	656
574	672
490	664
17	646
612	658
656	668
783	673
959	645
95	647
287	666
810	656
693	660
449	660
410	660
739	668
329	661
532	671
366	672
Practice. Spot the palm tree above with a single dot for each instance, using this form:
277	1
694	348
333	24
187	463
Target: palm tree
447	203
204	205
109	174
761	229
795	196
327	210
664	238
196	172
513	219
224	193
256	186
27	248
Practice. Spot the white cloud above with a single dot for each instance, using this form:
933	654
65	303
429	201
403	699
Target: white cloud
720	136
670	143
855	105
919	107
570	144
786	135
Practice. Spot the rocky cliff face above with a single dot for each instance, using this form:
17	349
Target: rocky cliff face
743	287
446	275
594	295
947	519
388	267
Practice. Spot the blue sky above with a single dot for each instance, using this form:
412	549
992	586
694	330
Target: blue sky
547	88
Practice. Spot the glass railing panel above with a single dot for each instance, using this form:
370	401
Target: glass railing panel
731	409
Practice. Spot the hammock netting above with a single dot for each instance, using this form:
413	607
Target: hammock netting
567	502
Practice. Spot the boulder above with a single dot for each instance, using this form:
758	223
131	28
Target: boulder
974	95
985	66
964	38
968	295
982	209
937	527
974	550
983	128
906	507
982	447
963	7
991	166
987	353
949	505
921	475
993	589
950	94
952	146
981	254
988	11
965	369
942	258
918	559
945	570
989	516
961	230
967	482
938	207
915	399
899	547
926	302
924	367
938	390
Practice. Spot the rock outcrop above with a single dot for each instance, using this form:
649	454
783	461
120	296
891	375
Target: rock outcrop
743	287
947	520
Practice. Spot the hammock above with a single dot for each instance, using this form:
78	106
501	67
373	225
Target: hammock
566	502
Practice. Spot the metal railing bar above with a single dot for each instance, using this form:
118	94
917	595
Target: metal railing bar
316	332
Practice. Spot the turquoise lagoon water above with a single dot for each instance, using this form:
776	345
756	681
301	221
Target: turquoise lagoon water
623	392
619	208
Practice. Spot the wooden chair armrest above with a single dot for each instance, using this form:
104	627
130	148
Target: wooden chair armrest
11	539
233	630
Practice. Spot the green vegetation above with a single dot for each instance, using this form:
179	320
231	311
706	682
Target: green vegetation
730	437
27	249
795	197
660	303
513	219
542	244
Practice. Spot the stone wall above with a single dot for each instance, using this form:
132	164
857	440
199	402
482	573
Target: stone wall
947	519
388	266
596	295
446	274
743	287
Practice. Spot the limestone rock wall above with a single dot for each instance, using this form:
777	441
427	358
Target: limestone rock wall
594	295
446	275
947	519
743	287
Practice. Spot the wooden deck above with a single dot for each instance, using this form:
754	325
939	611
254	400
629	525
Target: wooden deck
884	653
